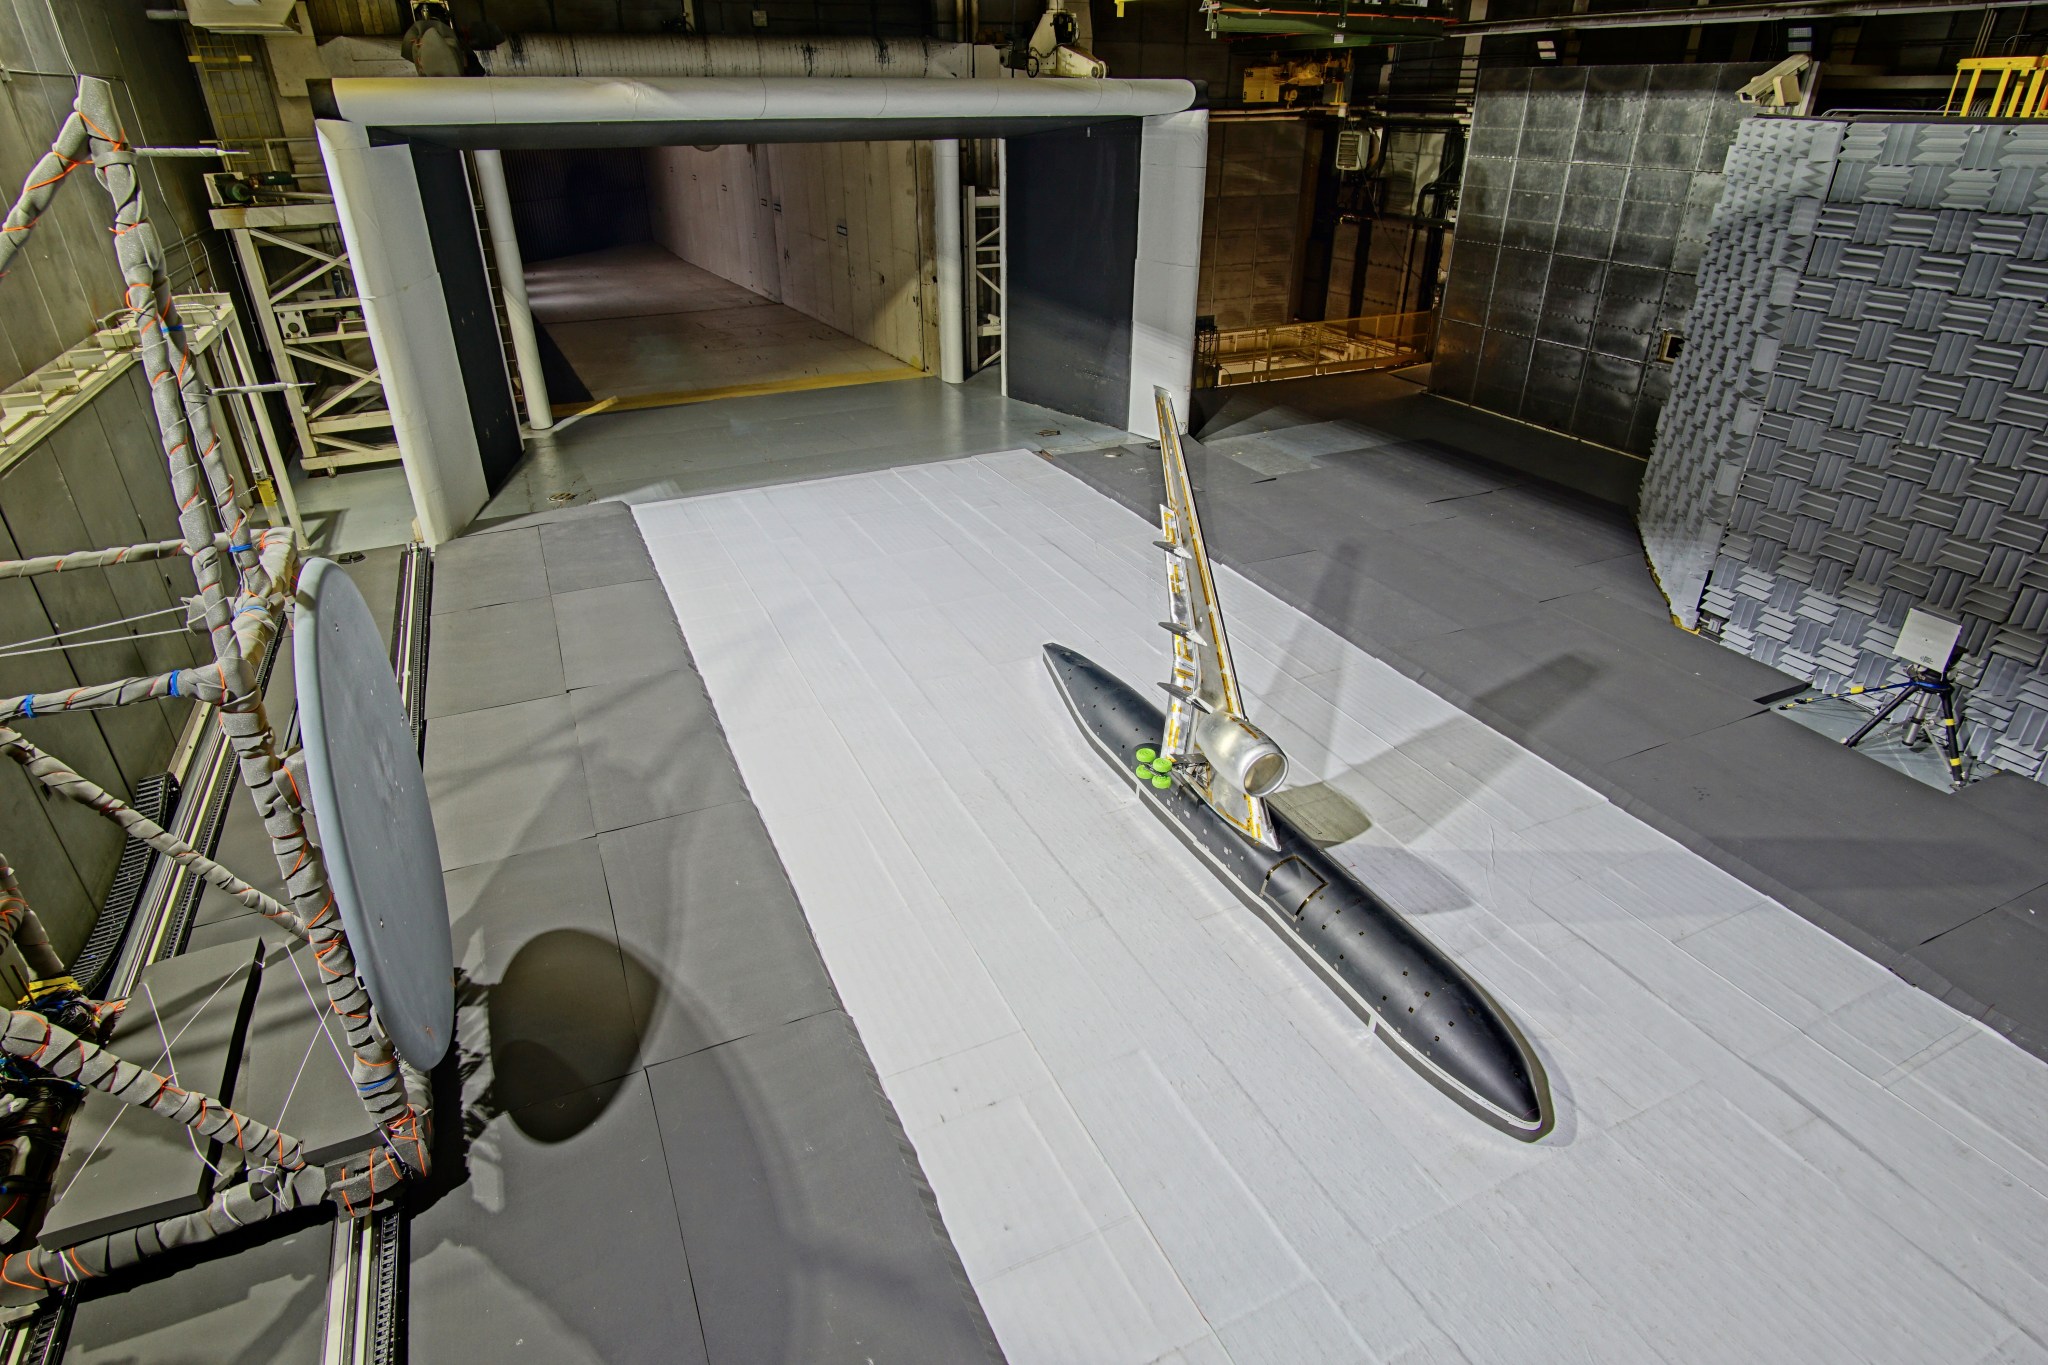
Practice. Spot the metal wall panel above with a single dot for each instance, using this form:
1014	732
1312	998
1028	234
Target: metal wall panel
100	478
1397	245
1252	229
66	278
1581	223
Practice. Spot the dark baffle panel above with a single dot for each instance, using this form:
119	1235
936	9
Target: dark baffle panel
1072	239
458	255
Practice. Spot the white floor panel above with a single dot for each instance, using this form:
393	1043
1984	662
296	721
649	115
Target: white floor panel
1156	1138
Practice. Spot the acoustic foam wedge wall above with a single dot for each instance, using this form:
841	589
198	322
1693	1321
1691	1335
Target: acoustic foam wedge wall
1860	424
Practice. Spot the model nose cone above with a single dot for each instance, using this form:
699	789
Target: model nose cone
1505	1077
1518	1099
1066	667
1465	1037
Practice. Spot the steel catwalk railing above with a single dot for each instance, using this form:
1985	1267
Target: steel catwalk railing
241	619
1298	350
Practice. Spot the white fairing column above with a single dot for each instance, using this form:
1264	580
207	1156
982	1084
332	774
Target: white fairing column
377	197
1003	262
1173	159
951	266
490	175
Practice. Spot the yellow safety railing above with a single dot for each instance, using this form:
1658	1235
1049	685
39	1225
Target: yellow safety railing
1297	350
2012	97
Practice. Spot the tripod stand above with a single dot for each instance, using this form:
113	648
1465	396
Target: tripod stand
1933	713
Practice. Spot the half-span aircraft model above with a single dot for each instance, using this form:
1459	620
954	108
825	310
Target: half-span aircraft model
1205	769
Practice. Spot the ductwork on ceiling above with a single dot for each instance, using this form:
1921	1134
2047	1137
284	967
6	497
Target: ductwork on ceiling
612	54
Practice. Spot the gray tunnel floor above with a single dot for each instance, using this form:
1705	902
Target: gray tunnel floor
650	454
678	1149
1395	405
633	1191
1531	607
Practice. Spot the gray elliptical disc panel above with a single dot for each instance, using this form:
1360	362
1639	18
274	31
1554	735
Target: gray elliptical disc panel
370	799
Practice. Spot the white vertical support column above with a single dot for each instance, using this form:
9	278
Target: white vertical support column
490	175
1003	258
377	198
951	260
1173	159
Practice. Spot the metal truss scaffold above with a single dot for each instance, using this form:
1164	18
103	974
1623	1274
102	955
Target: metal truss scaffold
247	581
296	264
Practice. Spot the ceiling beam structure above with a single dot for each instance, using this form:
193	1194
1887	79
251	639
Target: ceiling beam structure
1740	12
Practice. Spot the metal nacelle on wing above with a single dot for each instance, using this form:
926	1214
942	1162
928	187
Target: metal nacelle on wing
1240	753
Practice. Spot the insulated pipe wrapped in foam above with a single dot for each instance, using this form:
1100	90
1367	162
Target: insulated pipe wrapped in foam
620	54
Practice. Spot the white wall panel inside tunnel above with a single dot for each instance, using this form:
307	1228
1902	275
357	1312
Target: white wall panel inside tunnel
839	231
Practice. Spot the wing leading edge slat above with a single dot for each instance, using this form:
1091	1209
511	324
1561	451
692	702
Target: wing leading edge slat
1204	680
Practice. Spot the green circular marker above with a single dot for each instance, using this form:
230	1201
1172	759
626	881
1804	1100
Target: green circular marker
1163	763
1146	755
1144	773
1162	781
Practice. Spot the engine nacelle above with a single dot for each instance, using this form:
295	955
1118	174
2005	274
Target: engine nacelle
1240	753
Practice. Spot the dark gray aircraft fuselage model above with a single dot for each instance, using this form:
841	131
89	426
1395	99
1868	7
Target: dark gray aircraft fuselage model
1205	770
